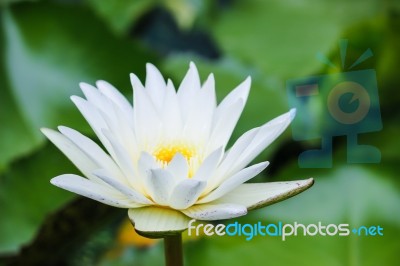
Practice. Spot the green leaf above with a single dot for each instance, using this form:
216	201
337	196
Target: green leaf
282	37
121	15
82	228
7	2
16	136
26	196
48	49
386	141
185	11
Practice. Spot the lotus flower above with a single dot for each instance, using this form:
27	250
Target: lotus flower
166	158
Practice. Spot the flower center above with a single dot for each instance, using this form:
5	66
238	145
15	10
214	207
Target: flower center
165	153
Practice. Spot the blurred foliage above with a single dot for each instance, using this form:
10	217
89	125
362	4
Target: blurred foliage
48	47
45	57
26	197
282	37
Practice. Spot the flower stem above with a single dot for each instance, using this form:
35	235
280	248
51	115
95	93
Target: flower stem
173	250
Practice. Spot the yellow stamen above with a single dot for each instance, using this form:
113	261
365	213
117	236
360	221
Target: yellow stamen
165	153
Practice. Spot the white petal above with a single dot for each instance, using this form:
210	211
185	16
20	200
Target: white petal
209	165
135	82
186	193
232	155
117	117
80	159
118	99
113	94
126	190
178	167
210	212
265	136
102	105
94	96
145	164
119	126
240	92
146	118
155	85
258	195
239	146
225	124
171	114
92	150
209	87
170	86
154	221
159	184
95	120
89	189
188	90
124	161
248	146
227	114
201	112
234	181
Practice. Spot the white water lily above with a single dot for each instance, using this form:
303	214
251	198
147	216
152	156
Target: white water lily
165	159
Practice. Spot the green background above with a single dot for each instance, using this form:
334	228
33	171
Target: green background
48	47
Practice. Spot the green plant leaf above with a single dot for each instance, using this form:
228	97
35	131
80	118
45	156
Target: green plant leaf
16	136
26	196
82	228
121	15
47	50
282	37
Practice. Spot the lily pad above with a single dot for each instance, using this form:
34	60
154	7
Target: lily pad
47	50
283	37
